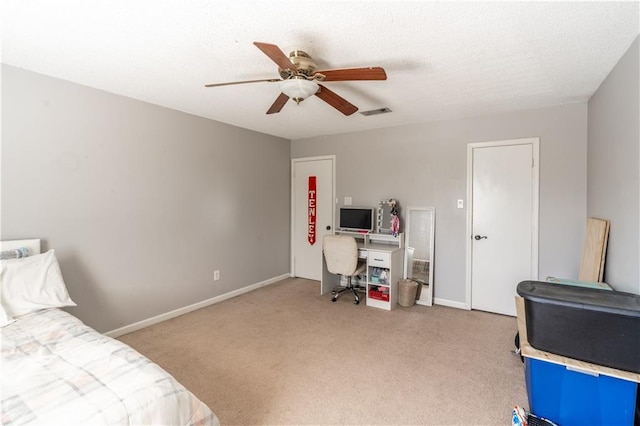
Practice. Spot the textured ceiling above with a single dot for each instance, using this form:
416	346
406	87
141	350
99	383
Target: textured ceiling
443	59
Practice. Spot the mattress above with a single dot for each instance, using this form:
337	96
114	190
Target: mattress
56	370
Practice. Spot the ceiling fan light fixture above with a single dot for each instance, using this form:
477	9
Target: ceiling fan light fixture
299	89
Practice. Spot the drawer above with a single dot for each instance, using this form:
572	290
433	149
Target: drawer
379	259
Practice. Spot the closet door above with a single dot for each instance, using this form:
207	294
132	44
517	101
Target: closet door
504	222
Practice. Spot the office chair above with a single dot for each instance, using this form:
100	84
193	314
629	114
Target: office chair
341	256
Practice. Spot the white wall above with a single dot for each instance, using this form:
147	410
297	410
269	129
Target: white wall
614	168
141	202
425	165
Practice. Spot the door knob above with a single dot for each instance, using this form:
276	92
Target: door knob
328	227
480	237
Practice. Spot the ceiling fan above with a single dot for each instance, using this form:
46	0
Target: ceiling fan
299	79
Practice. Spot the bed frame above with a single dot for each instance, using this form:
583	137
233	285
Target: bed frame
33	244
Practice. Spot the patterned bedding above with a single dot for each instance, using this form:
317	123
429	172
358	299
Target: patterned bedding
56	370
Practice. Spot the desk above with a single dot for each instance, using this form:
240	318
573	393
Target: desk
384	254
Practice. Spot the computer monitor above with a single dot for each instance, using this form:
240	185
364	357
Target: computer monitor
360	219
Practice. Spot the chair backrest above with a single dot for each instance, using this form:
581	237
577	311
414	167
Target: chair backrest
341	254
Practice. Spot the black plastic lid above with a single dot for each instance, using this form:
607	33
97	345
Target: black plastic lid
615	302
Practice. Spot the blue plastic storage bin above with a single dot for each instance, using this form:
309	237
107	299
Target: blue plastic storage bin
568	397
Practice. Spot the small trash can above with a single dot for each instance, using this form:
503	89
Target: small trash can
407	290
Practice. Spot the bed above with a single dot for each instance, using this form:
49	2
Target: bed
57	370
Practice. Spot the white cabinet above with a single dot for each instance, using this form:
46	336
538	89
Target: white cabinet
384	270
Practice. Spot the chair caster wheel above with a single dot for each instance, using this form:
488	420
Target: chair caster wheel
356	302
333	299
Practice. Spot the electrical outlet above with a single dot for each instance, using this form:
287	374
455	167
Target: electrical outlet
216	275
460	204
348	201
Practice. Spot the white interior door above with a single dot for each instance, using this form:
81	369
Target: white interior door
313	211
503	237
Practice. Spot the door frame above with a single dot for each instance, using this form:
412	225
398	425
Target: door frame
535	205
292	212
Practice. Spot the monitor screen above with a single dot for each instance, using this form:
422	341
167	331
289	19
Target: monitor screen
356	219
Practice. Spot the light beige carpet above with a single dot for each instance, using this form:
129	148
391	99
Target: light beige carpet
283	354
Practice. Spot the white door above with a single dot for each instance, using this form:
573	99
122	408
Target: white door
313	210
503	207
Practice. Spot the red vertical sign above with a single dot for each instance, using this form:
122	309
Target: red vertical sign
311	208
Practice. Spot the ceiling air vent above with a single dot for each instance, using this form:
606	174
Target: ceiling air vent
375	111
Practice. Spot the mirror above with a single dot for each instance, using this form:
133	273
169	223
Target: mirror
419	240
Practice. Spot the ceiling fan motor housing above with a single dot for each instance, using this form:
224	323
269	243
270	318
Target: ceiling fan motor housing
304	64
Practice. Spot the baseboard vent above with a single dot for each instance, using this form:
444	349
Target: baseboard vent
384	110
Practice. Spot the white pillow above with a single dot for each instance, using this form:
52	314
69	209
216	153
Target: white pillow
5	319
33	283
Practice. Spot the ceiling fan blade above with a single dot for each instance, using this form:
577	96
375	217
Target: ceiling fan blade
276	55
336	101
270	80
278	104
346	74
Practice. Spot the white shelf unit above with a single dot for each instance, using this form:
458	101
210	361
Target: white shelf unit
384	270
373	240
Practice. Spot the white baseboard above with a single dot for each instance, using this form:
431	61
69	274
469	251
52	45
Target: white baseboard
181	311
450	303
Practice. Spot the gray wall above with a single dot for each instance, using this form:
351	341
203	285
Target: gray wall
425	165
613	190
141	203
